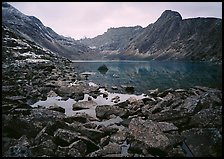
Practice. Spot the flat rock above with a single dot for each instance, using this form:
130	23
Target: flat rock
84	105
57	108
103	111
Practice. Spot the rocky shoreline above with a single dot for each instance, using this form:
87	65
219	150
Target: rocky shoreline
171	123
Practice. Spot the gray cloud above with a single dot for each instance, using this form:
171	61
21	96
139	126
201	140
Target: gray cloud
79	19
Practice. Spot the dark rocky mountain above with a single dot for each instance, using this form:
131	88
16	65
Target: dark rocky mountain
113	38
172	37
32	29
17	50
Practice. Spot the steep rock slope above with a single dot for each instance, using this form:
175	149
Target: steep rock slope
171	37
32	29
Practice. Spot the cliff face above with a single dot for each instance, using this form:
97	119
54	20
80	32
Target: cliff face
171	37
32	29
113	38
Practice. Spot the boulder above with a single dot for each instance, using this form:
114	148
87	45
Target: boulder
148	133
81	117
116	99
130	89
114	88
204	142
120	136
103	69
207	118
76	149
167	127
92	134
84	105
65	137
153	91
57	108
103	111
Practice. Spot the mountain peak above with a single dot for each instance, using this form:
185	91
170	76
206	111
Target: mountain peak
169	15
6	5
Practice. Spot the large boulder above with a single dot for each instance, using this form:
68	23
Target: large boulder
204	142
148	133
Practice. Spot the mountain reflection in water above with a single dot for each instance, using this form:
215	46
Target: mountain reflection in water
145	75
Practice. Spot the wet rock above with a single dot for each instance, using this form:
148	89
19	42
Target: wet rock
103	111
204	142
149	133
94	94
105	94
114	88
116	99
103	69
130	89
83	105
57	108
153	91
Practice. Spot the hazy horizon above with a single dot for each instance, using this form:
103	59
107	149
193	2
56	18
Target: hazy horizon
89	19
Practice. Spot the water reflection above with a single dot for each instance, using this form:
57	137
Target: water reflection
146	75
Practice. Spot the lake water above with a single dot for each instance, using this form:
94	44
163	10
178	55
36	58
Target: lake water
145	75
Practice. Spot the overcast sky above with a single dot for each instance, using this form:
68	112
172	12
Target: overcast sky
89	19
